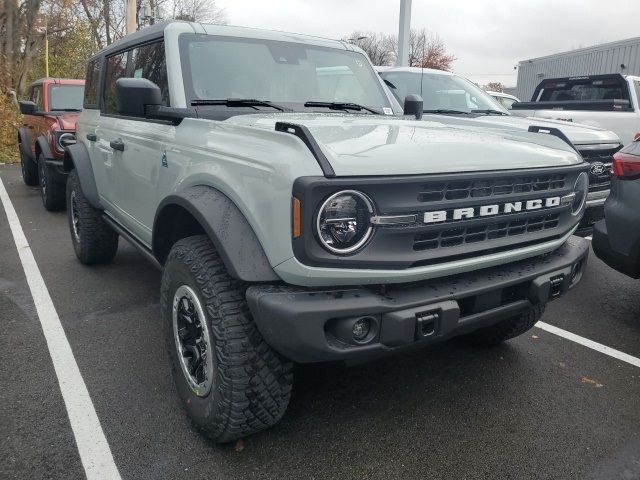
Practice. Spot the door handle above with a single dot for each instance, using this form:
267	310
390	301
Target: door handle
117	145
92	137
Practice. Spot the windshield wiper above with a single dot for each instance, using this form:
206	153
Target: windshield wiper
340	106
444	110
489	111
238	102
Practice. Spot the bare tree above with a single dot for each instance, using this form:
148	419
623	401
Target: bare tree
425	50
494	87
194	10
378	46
428	51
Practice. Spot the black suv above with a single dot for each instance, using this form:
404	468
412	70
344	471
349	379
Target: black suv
616	239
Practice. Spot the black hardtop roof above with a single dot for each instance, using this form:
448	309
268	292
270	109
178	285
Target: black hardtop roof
147	34
40	81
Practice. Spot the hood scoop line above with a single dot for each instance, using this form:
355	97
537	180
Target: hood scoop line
305	135
556	132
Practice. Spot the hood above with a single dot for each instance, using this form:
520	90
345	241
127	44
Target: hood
67	121
578	134
357	145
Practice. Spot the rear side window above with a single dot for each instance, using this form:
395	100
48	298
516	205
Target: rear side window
36	97
584	89
116	68
148	61
92	82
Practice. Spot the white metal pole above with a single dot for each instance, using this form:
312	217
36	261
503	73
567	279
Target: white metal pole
404	30
131	16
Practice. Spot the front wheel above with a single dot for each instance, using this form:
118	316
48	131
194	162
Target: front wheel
29	169
506	329
231	383
93	240
51	186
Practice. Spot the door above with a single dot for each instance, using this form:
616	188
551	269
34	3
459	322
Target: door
107	156
138	146
30	122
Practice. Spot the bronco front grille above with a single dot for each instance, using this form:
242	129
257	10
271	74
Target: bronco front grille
457	236
460	190
444	217
604	156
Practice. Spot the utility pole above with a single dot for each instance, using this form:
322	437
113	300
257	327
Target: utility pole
404	31
46	50
131	16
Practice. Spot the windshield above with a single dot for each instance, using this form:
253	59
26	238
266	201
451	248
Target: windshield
441	92
66	97
287	74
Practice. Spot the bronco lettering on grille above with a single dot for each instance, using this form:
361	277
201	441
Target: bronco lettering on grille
490	210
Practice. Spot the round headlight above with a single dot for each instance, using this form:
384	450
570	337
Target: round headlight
344	222
66	139
581	189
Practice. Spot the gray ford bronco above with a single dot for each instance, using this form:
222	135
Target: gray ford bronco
299	215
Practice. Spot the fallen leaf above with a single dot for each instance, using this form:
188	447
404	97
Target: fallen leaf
535	336
591	382
239	445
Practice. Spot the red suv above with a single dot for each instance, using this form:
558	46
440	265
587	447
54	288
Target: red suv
49	125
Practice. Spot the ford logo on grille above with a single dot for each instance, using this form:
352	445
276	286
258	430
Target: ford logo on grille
597	168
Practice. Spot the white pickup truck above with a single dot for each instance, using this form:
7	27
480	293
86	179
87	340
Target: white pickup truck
611	102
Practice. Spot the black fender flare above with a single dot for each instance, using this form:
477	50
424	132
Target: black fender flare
76	156
43	145
226	226
22	140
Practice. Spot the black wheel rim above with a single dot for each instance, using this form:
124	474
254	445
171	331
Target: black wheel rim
191	337
22	163
43	180
74	216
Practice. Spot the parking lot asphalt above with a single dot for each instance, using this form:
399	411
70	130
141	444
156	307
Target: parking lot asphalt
538	407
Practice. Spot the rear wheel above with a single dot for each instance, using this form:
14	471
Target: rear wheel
506	329
93	240
231	383
29	169
51	186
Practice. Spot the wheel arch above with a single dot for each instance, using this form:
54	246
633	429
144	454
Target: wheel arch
42	146
203	209
77	157
23	143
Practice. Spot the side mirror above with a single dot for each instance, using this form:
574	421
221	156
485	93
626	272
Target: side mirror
27	108
134	95
413	105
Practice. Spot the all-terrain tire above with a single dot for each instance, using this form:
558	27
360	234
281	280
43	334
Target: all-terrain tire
93	240
29	169
506	329
52	186
251	383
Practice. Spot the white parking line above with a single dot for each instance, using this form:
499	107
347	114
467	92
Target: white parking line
94	450
617	354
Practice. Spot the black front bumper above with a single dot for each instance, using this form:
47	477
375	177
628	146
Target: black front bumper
314	325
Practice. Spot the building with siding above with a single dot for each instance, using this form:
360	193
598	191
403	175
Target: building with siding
622	56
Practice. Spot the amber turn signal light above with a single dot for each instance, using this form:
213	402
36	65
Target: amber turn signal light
296	218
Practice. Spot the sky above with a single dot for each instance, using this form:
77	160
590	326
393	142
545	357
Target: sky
488	37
